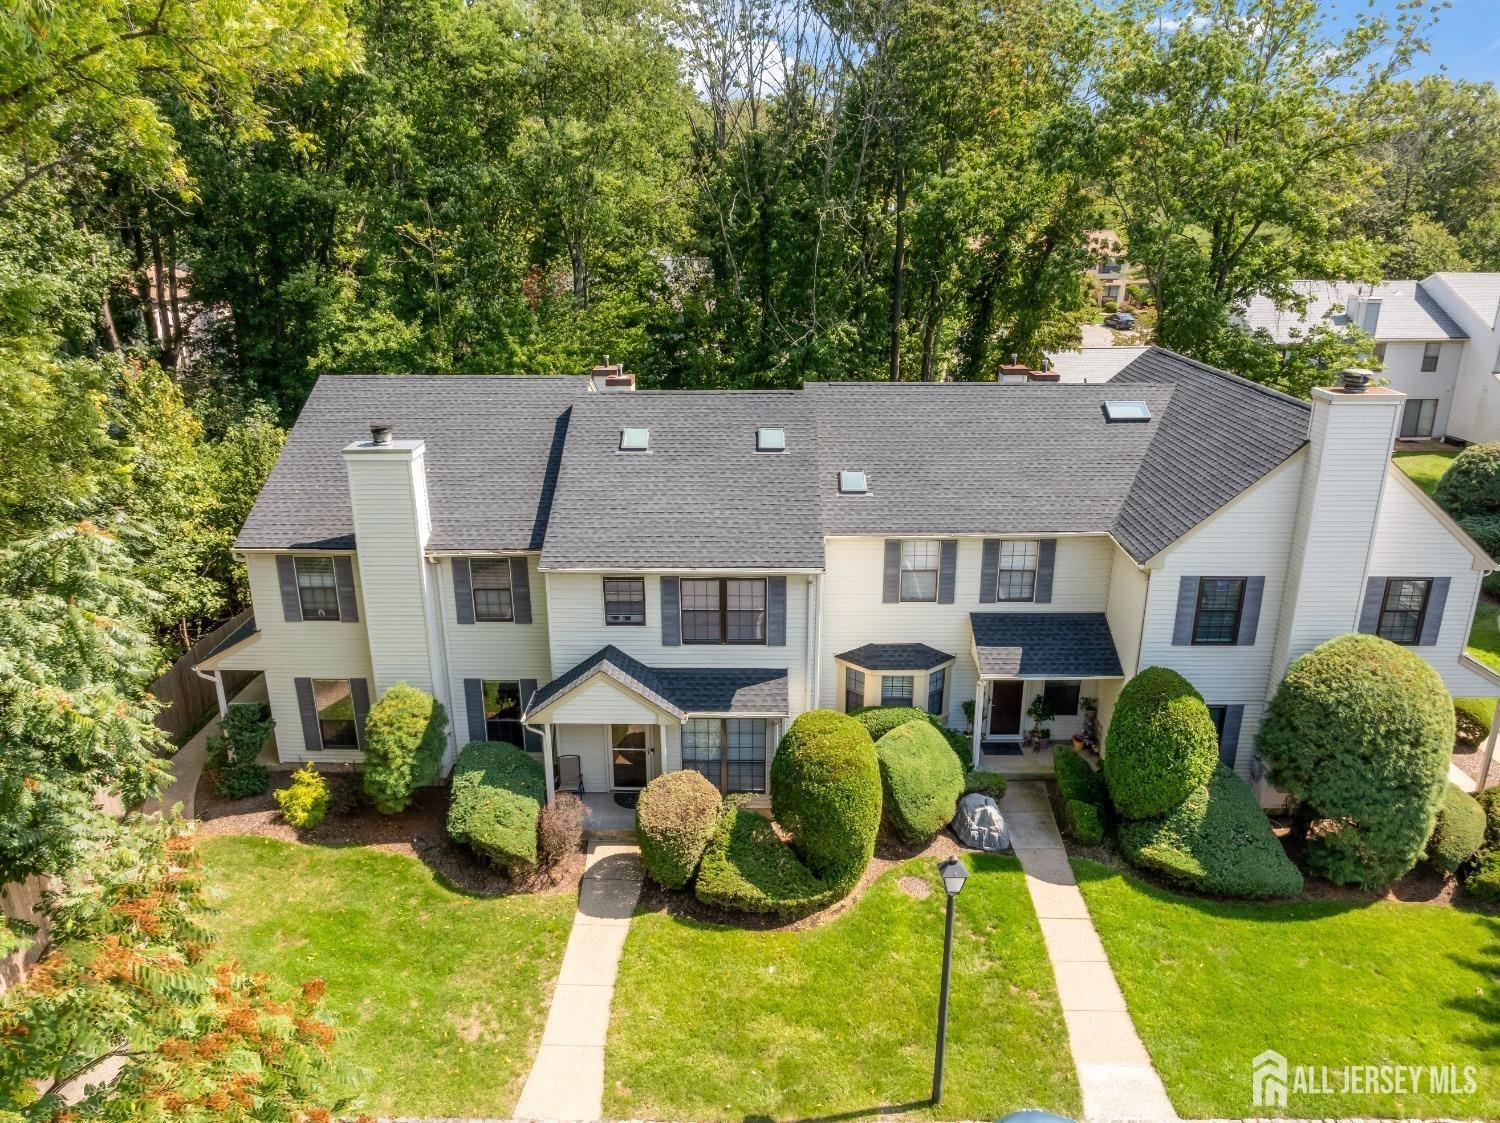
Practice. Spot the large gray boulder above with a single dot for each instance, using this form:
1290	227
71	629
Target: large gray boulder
978	823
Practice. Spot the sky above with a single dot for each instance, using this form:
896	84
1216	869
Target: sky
1465	42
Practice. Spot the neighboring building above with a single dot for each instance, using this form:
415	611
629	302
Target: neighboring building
1436	340
1110	271
648	581
1092	364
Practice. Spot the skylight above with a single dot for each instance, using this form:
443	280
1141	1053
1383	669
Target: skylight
635	440
1126	411
770	440
852	482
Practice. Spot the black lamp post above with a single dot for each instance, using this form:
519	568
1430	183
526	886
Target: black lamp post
954	873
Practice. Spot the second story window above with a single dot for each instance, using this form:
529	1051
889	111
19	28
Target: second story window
1216	621
723	610
492	593
624	601
919	569
1017	570
1431	352
316	588
1403	609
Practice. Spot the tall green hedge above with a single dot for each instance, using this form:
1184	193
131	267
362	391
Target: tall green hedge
880	720
1161	745
497	795
405	734
1360	731
748	868
1471	485
825	790
675	817
920	780
1459	831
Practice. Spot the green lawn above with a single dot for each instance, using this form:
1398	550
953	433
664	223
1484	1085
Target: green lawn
721	1023
1426	468
1484	634
440	995
1212	984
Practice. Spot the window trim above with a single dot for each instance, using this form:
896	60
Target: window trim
1239	614
604	592
1432	352
497	564
1001	571
724	610
911	693
723	720
936	571
1385	600
323	745
939	674
848	670
297	562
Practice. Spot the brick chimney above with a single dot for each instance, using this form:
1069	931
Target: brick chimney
612	377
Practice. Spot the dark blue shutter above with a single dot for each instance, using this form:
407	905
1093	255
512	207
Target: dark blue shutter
1187	606
359	693
1229	740
989	570
343	582
286	577
1046	562
1255	589
671	617
533	739
1369	612
890	591
307	706
520	590
463	591
1433	621
947	570
474	703
775	611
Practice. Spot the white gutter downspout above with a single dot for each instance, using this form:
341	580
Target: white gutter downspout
814	635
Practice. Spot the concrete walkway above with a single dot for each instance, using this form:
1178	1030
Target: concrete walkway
1114	1070
567	1078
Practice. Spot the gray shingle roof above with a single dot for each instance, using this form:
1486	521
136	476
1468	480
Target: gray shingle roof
1045	644
1407	311
678	691
493	448
896	657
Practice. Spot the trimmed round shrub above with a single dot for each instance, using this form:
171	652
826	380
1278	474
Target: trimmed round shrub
493	806
962	747
1083	822
305	801
1076	778
1485	530
748	868
1459	831
405	734
1483	884
990	783
1471	485
1218	841
1489	803
1472	716
825	790
1360	731
880	720
1161	745
675	817
920	780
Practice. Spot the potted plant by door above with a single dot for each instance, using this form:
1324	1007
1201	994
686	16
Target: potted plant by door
1090	708
1040	711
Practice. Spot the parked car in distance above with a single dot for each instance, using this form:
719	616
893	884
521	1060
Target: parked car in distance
1120	321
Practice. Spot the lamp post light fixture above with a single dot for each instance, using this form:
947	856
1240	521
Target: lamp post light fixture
954	873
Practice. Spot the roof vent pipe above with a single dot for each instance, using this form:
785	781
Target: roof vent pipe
380	434
1356	379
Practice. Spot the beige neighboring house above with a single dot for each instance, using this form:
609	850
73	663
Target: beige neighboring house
630	582
1110	271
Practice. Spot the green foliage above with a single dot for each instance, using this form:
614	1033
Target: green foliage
676	815
1489	800
1360	731
1472	717
305	802
241	780
1471	487
1483	884
1458	832
990	783
559	829
1083	822
405	735
1161	744
880	720
493	805
920	780
825	789
1110	306
1076	778
963	748
1218	841
748	868
1485	530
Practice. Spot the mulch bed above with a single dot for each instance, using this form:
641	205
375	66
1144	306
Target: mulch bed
418	832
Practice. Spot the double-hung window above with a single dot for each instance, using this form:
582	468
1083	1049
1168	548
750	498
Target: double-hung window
919	569
502	713
491	589
1403	609
723	610
316	590
730	753
1017	579
336	723
624	601
1216	620
896	690
854	690
936	681
1431	352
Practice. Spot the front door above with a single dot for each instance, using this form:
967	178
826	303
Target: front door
629	755
1005	708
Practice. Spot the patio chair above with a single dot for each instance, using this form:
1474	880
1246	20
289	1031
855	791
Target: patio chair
570	774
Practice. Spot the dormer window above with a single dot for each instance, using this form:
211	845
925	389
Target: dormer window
770	440
1126	411
635	440
853	482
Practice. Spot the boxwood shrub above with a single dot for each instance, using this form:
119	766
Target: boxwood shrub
1483	884
880	720
748	868
405	734
1083	821
1471	485
675	817
1485	530
1473	718
493	806
825	790
990	783
1218	841
920	780
1076	778
1161	745
1459	831
1489	802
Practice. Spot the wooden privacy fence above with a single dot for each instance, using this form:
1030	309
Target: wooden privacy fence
186	695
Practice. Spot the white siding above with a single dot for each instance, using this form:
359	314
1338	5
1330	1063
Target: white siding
591	744
1126	610
1402	370
854	614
